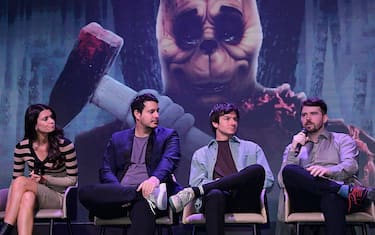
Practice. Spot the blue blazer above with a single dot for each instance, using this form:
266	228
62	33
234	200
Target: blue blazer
162	156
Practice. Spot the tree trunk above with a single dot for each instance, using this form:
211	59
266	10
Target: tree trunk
281	26
319	54
135	22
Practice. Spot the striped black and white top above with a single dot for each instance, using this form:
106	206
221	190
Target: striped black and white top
57	178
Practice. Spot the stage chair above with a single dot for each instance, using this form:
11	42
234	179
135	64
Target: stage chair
3	201
63	213
189	216
164	221
361	219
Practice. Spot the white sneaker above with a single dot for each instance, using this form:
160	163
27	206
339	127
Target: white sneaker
181	199
158	198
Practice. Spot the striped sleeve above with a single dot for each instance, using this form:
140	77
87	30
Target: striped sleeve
67	150
21	153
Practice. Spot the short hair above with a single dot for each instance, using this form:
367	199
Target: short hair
221	109
317	102
138	102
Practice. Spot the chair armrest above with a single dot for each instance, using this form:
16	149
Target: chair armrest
69	198
286	204
3	198
263	209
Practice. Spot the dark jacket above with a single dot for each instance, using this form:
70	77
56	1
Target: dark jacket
162	156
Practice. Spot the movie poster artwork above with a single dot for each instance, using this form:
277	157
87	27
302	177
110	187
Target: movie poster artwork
88	59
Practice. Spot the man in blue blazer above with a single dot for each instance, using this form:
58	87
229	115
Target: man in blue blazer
137	170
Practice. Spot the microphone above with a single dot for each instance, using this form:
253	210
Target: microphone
299	146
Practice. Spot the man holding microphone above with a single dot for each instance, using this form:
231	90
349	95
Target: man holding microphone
319	167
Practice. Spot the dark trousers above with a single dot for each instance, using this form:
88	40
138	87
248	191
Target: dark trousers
309	193
107	201
234	193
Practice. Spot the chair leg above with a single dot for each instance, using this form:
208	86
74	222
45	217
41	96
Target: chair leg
69	224
193	231
255	229
102	230
364	229
51	222
159	230
170	230
354	228
298	228
124	230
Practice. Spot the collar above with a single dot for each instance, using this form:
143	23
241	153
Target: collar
232	139
153	132
325	134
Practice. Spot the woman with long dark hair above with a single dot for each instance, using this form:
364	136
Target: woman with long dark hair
52	167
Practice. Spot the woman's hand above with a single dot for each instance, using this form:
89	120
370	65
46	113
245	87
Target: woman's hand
36	178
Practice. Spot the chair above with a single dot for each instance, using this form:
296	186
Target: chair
125	221
63	213
189	216
3	201
361	218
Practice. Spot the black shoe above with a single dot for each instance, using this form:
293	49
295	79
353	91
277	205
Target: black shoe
6	229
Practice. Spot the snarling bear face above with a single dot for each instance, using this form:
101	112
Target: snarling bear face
208	49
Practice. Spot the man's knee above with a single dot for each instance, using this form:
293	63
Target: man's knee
255	171
256	168
290	170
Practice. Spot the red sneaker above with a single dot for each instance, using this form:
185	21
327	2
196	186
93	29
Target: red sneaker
357	195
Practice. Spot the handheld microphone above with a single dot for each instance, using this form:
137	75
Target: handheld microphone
299	146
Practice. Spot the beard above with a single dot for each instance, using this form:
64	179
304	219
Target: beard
313	128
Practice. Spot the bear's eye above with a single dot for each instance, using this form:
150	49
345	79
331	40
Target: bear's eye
187	30
229	25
